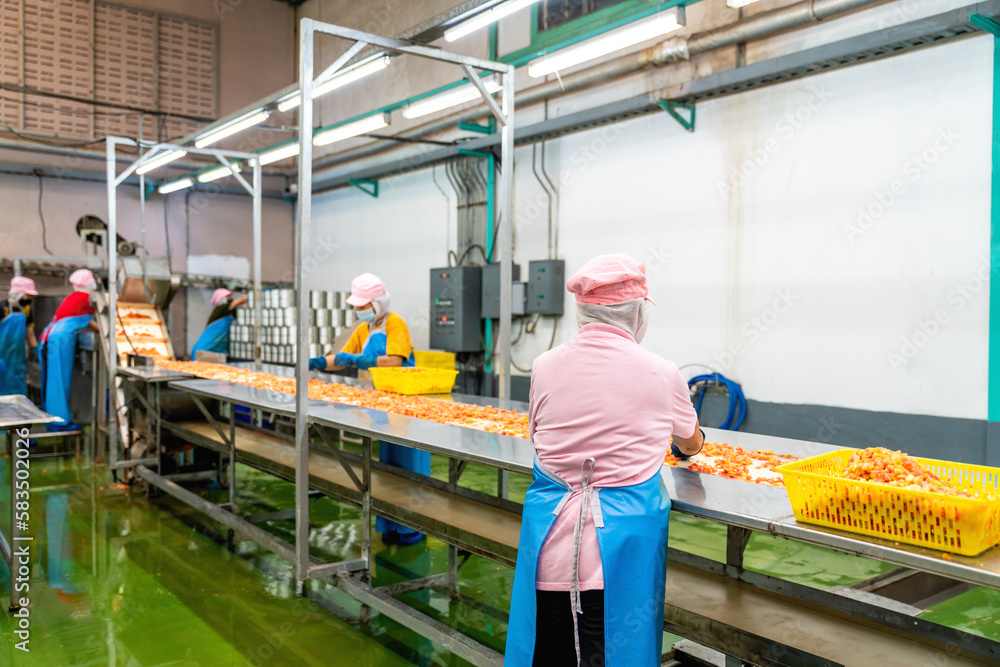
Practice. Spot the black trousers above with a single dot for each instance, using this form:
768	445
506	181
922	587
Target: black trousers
554	645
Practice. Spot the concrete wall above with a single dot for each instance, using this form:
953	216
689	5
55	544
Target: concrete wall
257	51
201	225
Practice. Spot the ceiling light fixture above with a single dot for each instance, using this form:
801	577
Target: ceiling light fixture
615	40
460	95
232	128
165	158
174	186
486	18
340	79
348	130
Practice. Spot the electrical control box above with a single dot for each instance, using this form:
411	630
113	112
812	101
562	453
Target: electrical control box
491	291
456	296
546	285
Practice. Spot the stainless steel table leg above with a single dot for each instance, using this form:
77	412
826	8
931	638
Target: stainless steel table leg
159	433
232	459
366	519
503	483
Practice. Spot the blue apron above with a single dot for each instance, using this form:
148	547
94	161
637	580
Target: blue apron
400	456
12	340
215	337
55	357
632	523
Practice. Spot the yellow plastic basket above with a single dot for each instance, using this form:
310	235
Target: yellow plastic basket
966	526
414	380
430	359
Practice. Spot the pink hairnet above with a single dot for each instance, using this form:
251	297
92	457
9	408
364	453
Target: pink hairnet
608	279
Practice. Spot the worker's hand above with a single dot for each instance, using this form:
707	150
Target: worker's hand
317	364
364	361
697	440
344	359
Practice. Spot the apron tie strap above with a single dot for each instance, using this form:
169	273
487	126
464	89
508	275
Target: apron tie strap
590	498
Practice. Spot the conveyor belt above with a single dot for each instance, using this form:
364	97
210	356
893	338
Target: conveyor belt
485	530
720	612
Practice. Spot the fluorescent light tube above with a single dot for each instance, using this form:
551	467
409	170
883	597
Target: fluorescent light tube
655	26
174	186
216	174
363	126
160	161
338	80
232	128
482	20
460	95
280	153
736	4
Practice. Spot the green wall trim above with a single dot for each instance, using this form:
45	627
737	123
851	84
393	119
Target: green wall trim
993	395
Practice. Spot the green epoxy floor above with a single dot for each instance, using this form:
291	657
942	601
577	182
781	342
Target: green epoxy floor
121	580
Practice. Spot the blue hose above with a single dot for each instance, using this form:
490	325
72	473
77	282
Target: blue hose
737	402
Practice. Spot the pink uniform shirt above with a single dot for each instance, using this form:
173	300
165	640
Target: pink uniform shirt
600	395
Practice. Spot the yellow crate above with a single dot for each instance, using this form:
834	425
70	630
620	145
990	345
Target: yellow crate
428	359
966	526
414	380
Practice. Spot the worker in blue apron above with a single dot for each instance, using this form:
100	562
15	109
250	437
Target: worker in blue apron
57	349
589	582
382	339
215	337
17	328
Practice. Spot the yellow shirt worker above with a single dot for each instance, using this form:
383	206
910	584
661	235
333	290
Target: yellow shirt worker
382	339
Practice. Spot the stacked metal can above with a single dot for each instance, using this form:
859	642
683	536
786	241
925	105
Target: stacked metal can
329	316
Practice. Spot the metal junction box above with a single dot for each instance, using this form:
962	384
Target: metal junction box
491	291
456	295
546	286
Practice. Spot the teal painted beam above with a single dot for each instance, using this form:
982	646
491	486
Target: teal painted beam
367	186
672	107
993	387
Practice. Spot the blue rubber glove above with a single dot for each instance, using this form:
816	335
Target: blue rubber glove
317	364
681	455
345	359
365	361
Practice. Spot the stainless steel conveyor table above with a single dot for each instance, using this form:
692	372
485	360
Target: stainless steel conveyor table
743	506
145	383
16	411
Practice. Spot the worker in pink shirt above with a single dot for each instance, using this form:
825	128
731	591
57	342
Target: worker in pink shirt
589	582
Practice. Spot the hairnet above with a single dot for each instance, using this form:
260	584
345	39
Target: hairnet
627	315
220	295
83	280
381	305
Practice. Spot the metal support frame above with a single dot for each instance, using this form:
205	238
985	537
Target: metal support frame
672	107
737	538
114	179
504	113
366	185
809	595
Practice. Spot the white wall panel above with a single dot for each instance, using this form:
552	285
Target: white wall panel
750	225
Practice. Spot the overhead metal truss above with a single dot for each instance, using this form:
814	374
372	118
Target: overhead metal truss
154	151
